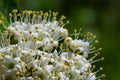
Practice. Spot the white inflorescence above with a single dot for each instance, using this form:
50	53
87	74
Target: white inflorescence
36	46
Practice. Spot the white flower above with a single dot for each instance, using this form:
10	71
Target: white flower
37	47
30	78
22	78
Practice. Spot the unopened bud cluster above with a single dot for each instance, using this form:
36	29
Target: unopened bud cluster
36	46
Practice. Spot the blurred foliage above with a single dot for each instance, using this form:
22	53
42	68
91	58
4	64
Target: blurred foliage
3	22
102	17
6	6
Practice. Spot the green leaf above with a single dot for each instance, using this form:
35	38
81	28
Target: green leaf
7	6
3	22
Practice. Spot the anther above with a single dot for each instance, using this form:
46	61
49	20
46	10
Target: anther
15	11
10	15
63	17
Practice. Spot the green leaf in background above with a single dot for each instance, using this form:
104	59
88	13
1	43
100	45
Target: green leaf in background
1	4
6	6
3	22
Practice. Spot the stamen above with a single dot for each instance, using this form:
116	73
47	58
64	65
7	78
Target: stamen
93	67
100	69
95	50
15	15
54	16
45	16
49	17
98	78
101	59
67	22
96	54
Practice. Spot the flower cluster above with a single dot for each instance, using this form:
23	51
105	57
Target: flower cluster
36	46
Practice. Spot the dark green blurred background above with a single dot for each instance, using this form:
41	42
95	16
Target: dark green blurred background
101	17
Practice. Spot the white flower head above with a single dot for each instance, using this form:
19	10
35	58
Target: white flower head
36	46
